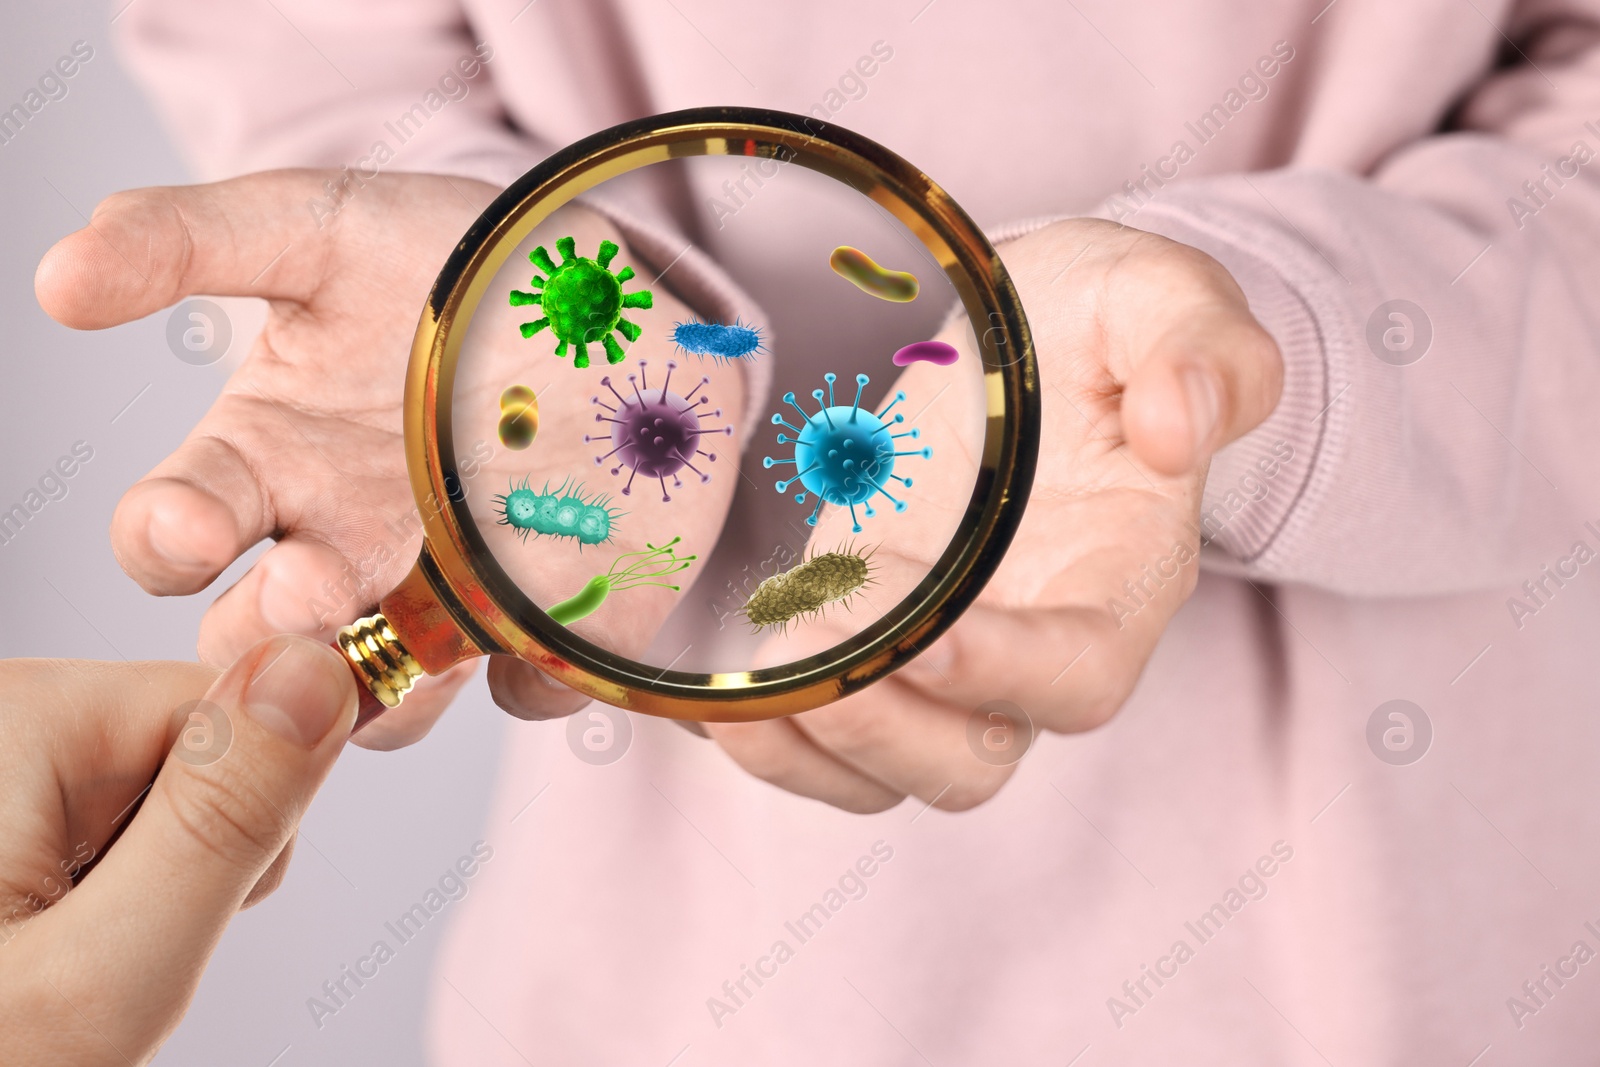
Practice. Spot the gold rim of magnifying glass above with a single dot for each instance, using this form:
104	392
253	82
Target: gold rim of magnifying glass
499	617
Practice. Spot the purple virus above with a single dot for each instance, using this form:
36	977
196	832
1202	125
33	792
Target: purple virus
656	432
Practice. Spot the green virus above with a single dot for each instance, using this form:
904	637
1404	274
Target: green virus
805	590
628	571
562	512
582	301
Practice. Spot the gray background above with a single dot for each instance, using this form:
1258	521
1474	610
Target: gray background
387	824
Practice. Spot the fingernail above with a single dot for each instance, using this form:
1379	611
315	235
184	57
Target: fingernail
1205	403
297	691
167	541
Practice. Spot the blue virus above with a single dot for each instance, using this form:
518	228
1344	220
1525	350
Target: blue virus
844	455
722	343
560	512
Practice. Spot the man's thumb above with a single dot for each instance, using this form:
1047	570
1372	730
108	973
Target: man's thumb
146	249
246	761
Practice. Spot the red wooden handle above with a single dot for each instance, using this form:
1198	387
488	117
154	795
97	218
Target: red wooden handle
368	707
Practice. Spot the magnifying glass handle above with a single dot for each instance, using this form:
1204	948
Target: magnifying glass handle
411	634
368	707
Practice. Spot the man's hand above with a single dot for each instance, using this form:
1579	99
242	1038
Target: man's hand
1149	361
305	443
100	974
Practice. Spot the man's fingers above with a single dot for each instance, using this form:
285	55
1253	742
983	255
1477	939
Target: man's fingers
528	693
868	751
186	521
917	746
146	249
780	752
1070	669
303	586
298	586
423	707
1208	380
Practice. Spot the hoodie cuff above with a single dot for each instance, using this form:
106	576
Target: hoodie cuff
1256	483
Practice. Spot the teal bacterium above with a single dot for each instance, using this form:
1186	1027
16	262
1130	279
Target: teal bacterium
562	512
843	454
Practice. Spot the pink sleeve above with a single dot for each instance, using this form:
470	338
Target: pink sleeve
251	87
1438	428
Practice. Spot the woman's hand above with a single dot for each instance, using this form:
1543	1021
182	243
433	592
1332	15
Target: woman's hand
1149	361
305	443
101	973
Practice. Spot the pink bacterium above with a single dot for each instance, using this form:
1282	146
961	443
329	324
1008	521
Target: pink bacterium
927	352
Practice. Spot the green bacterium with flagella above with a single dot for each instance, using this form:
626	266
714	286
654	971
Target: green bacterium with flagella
805	590
582	301
628	571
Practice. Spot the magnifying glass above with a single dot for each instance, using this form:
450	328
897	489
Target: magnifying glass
520	312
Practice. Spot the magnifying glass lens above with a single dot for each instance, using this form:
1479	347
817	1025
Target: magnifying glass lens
707	469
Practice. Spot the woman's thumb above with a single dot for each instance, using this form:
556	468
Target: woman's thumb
245	764
1207	381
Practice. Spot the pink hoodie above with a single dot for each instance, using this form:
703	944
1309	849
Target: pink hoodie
1229	872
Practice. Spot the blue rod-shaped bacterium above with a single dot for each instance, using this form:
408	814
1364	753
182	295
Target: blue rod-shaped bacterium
721	342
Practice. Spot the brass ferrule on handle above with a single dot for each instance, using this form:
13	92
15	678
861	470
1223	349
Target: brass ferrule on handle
383	667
